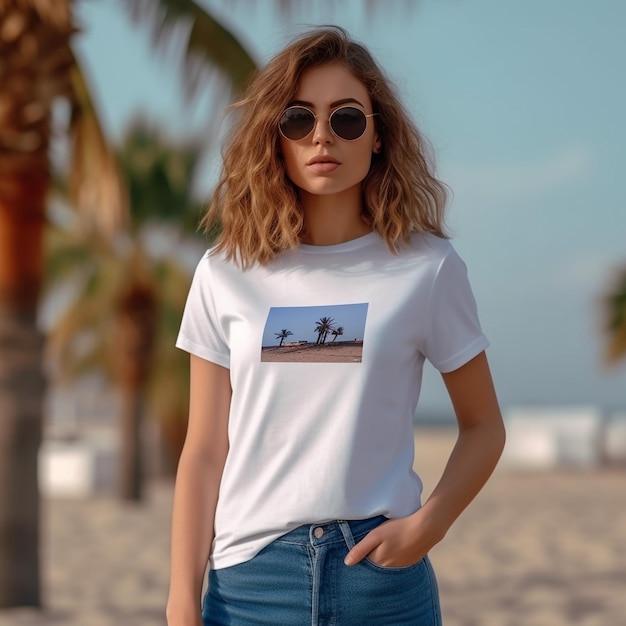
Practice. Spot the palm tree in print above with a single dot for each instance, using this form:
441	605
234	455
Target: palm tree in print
282	335
337	332
323	327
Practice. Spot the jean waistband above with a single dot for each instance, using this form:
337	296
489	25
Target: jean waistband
330	532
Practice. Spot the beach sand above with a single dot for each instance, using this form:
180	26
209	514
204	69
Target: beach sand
534	549
332	352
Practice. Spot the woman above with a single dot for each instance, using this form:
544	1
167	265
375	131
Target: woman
296	479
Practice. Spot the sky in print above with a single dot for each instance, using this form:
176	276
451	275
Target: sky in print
301	321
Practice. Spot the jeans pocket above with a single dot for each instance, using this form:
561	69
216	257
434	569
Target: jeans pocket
392	569
351	540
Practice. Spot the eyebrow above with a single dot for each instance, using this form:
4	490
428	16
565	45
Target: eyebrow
336	103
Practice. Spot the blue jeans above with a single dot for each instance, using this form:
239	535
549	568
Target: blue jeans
300	580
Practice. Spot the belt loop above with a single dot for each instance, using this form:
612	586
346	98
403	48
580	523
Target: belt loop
346	531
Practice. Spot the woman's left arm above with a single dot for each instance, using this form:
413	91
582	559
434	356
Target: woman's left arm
479	445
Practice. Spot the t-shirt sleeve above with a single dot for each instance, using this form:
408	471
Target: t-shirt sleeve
453	333
200	331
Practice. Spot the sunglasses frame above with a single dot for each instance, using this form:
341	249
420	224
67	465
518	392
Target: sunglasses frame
330	125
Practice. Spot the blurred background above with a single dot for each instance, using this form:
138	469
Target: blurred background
111	119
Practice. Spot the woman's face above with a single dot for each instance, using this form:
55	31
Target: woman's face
322	163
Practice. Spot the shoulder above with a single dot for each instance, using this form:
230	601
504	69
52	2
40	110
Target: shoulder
215	262
217	273
431	245
431	249
438	259
207	272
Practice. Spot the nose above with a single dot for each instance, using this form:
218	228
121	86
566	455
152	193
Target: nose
322	133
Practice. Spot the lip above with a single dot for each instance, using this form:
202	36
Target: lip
323	164
323	158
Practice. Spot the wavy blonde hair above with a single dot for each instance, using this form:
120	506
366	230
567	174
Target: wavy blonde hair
255	206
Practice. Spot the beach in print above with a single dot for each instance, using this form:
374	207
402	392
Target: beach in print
315	334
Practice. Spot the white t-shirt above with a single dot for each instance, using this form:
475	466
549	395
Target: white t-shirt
325	347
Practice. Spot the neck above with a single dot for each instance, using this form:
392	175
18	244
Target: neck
333	219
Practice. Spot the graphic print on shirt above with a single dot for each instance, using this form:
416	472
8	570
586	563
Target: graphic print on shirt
315	334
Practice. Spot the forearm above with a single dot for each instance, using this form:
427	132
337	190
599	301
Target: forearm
403	541
195	499
471	462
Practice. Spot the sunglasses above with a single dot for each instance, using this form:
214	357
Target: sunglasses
347	122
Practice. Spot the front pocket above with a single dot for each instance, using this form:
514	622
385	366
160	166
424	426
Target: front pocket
400	569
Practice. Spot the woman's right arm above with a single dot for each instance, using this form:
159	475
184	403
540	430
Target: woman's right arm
197	485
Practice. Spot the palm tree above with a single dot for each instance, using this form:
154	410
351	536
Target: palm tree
145	292
615	307
322	328
37	68
160	174
282	335
337	332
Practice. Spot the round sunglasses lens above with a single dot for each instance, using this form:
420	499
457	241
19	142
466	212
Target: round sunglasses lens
348	122
296	123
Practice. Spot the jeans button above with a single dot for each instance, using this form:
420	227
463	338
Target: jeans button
318	532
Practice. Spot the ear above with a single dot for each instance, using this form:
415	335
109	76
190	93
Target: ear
377	144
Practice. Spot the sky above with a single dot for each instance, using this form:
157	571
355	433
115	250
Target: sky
523	103
302	321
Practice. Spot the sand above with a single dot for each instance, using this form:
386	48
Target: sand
332	352
534	549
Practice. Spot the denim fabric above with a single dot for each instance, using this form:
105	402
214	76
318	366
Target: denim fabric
300	579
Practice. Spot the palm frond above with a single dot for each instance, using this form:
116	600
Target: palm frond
205	41
96	186
92	356
67	254
70	332
159	172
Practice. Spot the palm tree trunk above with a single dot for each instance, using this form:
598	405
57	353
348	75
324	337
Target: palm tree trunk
136	320
22	387
131	461
21	406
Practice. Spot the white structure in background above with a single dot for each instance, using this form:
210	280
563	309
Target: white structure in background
615	439
77	468
546	438
80	453
80	450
